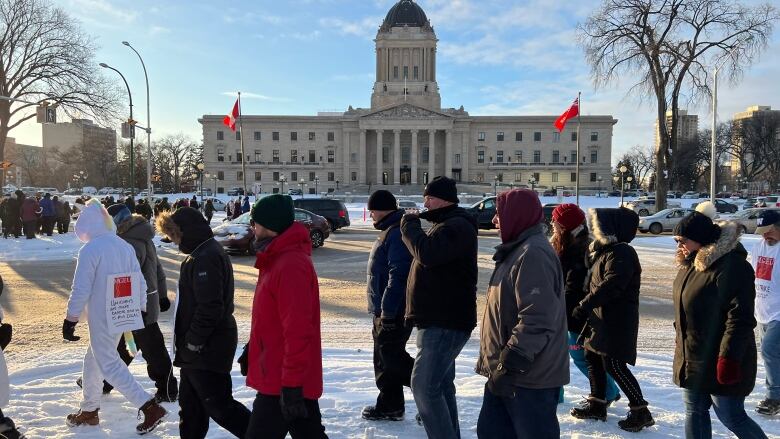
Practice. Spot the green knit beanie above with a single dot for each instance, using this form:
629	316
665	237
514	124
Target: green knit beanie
274	212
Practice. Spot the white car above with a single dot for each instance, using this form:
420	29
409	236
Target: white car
647	207
690	195
662	221
409	206
218	204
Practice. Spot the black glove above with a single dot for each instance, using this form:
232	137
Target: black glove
68	330
509	363
165	303
191	352
6	331
292	403
389	324
243	360
581	313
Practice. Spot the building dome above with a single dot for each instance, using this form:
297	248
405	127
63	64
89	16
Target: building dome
406	13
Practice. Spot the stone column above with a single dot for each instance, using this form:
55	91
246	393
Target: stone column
448	153
431	155
414	157
397	157
464	169
346	179
362	153
379	169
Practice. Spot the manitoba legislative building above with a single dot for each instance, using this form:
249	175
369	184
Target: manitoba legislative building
406	137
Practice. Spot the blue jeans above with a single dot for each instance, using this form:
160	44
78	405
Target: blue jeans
770	352
730	411
577	353
530	414
433	380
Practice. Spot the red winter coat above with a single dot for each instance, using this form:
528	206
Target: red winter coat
30	209
284	344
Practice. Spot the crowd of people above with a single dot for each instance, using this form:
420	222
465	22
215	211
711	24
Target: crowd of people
574	297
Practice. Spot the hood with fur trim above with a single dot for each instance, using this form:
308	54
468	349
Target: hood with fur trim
611	226
135	227
707	255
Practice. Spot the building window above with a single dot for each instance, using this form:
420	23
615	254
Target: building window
312	156
457	158
220	190
406	72
574	136
220	175
481	136
331	156
395	72
331	136
592	176
594	136
239	157
537	136
536	177
220	155
416	72
293	156
238	135
573	177
220	135
406	155
556	137
573	156
293	136
258	176
555	177
385	154
594	156
519	177
276	176
312	175
275	135
556	156
480	156
354	176
331	176
500	136
258	155
312	135
275	156
425	154
537	156
240	175
258	135
275	190
499	156
518	136
518	156
293	177
353	157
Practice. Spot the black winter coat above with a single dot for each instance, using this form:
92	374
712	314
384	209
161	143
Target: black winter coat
204	316
442	286
714	295
613	288
388	270
137	232
575	270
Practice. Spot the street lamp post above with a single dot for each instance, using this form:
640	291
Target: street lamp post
495	185
316	184
532	182
301	182
599	178
148	130
132	153
622	170
337	185
200	174
282	179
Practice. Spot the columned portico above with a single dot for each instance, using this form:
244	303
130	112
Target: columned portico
379	169
397	157
363	157
415	157
448	153
431	154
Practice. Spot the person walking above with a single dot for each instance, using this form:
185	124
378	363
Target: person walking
441	301
205	331
58	213
194	203
522	349
570	240
388	270
48	214
245	207
284	353
29	212
237	209
106	271
4	215
14	214
209	210
64	220
611	309
766	263
715	348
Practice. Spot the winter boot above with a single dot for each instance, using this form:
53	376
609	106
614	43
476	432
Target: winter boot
592	408
153	415
638	418
83	418
166	396
8	430
768	407
371	413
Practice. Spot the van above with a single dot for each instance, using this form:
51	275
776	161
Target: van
333	210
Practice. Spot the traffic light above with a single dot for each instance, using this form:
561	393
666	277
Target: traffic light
128	129
46	113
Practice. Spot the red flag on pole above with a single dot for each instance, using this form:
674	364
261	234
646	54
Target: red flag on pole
572	112
230	119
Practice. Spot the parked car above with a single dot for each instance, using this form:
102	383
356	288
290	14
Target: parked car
547	210
72	191
747	218
614	194
294	192
721	206
333	210
235	191
484	210
409	206
237	235
218	204
768	201
647	207
662	221
690	195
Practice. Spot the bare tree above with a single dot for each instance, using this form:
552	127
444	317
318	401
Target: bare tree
669	46
44	56
643	163
175	149
756	145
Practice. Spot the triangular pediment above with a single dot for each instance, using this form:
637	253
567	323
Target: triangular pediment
406	111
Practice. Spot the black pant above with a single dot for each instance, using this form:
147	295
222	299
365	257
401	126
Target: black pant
30	227
204	394
599	365
150	341
268	423
392	364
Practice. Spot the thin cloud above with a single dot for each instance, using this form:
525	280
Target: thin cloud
158	30
365	27
354	77
250	95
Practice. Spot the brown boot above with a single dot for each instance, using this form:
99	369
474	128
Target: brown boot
83	418
153	415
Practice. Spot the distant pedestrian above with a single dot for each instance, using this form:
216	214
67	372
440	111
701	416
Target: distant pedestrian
715	353
246	206
611	310
63	223
48	214
441	301
237	209
388	271
208	210
766	262
522	348
30	213
229	209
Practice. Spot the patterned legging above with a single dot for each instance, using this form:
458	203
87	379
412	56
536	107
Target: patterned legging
599	365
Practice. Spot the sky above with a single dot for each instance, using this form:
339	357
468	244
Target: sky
298	57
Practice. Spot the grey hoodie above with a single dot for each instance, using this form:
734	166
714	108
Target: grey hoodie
139	233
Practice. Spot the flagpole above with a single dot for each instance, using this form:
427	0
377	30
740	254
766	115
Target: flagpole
579	112
241	136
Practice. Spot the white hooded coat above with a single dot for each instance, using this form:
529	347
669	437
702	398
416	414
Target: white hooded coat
103	254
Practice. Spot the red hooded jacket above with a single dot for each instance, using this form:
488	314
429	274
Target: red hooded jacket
284	344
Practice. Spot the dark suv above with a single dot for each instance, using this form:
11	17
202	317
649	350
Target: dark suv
333	210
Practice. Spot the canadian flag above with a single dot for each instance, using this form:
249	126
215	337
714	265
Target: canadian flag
230	119
572	112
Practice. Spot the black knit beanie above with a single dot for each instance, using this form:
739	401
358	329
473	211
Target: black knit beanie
274	212
443	188
698	227
382	200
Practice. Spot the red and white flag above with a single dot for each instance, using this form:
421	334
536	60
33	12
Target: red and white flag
230	119
572	112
